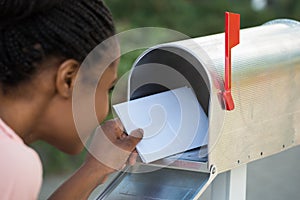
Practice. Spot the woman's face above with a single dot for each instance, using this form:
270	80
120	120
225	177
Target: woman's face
58	121
107	82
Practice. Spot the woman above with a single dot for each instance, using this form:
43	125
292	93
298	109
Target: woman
42	46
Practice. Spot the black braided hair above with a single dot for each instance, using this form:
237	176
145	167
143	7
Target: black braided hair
31	30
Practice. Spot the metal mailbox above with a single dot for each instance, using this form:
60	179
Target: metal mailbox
265	121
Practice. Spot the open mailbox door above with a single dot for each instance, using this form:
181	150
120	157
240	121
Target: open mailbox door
161	183
265	121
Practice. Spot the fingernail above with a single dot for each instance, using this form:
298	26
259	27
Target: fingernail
140	130
138	133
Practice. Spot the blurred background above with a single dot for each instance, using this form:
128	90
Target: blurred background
194	18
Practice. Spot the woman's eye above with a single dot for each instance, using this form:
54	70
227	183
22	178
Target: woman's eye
111	89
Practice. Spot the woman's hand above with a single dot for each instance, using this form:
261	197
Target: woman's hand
111	149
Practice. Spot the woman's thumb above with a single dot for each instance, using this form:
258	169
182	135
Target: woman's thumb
134	138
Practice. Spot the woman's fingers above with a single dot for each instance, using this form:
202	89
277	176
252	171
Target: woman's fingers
134	138
132	158
119	124
113	129
112	147
129	142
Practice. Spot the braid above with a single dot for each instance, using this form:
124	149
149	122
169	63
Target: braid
66	28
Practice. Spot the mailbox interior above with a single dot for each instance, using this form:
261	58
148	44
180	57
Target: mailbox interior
153	64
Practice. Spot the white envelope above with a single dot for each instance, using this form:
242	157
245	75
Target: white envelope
173	122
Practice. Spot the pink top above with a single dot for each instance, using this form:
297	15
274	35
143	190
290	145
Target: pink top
20	167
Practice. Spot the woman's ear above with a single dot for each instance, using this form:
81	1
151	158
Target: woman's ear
65	78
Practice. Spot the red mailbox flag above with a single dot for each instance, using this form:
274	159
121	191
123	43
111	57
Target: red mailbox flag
232	38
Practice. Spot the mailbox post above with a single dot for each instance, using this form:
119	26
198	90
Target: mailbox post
238	183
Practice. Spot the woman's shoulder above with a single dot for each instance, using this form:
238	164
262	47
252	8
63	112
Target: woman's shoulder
20	170
14	151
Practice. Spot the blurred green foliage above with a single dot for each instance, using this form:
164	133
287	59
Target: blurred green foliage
191	17
55	161
196	17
